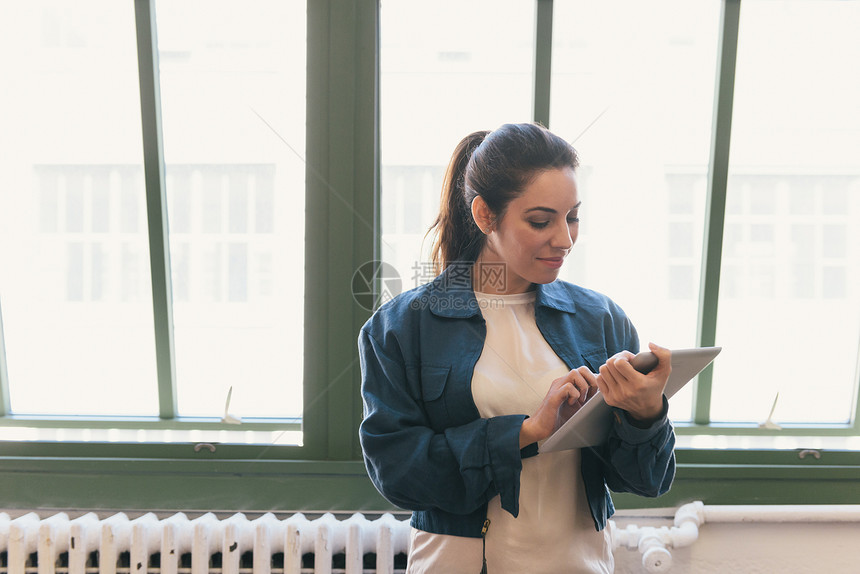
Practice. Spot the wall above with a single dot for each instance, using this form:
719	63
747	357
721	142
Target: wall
752	548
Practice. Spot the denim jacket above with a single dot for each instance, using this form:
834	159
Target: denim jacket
425	446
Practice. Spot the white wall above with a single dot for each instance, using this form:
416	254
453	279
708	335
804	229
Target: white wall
752	548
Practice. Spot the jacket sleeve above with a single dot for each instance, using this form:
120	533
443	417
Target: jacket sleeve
457	470
639	460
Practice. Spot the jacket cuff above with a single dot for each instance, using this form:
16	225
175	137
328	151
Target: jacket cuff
632	434
503	446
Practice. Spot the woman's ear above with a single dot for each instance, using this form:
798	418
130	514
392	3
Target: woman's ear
482	214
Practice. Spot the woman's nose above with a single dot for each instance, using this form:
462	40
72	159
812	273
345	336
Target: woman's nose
564	237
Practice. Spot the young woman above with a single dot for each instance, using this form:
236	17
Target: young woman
463	377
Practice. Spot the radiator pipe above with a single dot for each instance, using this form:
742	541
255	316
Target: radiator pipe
654	542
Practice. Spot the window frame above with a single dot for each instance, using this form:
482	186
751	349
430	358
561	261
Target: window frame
342	146
343	209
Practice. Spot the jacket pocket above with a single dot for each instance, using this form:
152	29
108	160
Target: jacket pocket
433	382
594	359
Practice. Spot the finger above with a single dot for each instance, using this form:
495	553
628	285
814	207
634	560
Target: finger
555	397
582	385
590	378
576	379
616	383
571	393
606	388
606	381
583	395
556	383
622	355
611	371
616	364
624	369
664	356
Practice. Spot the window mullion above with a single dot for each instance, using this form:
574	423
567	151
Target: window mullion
855	423
156	205
543	61
5	405
342	183
716	200
367	230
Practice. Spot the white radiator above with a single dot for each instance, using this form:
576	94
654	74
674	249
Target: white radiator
30	544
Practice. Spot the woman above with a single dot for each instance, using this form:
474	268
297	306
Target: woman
464	376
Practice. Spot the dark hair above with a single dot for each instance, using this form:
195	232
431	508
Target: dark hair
498	166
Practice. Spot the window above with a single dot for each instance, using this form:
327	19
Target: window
643	174
633	86
233	97
162	244
75	291
77	227
474	71
792	274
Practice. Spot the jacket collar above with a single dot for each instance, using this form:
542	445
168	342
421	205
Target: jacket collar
556	296
450	294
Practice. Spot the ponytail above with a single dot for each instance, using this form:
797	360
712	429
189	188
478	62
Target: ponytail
457	237
497	166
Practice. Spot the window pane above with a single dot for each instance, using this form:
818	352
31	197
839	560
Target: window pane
632	88
448	68
74	286
233	98
791	282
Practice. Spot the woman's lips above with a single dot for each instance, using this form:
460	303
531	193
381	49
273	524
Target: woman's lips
552	262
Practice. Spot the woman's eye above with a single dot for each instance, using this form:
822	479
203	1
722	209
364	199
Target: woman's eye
539	224
573	220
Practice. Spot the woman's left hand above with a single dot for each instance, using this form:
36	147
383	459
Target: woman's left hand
626	388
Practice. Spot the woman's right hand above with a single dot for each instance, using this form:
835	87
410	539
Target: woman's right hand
566	394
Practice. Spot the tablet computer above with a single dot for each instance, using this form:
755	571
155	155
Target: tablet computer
589	426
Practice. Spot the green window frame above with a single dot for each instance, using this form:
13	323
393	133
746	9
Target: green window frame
342	200
341	152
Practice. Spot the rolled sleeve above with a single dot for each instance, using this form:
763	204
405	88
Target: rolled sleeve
640	460
502	456
628	431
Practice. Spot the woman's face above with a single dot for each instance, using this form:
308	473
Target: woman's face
534	236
